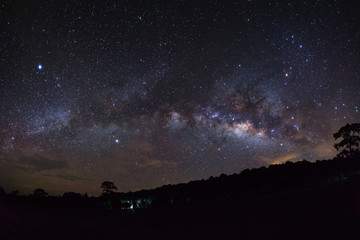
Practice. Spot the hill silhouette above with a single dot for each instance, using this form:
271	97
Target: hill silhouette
275	178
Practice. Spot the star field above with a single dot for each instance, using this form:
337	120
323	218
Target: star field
151	93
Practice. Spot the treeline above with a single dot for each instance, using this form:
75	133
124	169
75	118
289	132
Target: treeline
265	180
273	179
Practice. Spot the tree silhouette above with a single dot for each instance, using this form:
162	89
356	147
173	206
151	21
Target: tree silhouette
350	134
108	187
40	193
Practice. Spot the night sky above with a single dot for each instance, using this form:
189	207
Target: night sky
147	93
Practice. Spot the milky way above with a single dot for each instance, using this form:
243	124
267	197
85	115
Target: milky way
151	93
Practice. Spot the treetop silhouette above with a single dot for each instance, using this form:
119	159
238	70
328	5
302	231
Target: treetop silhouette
39	192
349	145
108	187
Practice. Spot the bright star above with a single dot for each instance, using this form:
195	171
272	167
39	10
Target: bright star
39	66
117	140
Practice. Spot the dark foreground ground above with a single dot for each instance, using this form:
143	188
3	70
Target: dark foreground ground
330	211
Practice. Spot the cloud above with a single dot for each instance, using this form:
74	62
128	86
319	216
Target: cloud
40	163
280	159
67	177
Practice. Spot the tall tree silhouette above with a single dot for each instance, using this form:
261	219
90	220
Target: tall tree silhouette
349	145
108	187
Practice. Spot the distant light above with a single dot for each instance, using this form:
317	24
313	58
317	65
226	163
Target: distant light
39	66
117	140
292	118
286	74
272	130
300	46
219	149
281	144
12	138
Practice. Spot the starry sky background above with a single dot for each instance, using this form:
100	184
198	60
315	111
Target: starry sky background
147	93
